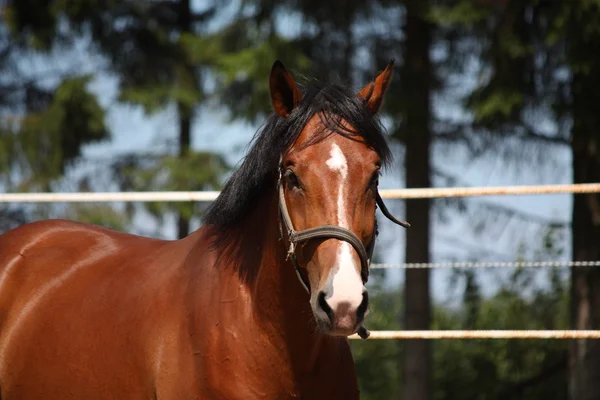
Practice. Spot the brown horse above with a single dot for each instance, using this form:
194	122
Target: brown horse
256	304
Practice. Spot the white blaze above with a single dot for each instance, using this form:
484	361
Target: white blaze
346	284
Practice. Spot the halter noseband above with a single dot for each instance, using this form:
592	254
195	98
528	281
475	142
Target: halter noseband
329	232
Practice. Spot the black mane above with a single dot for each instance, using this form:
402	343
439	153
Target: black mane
258	172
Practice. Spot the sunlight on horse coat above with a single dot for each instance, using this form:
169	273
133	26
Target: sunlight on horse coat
90	313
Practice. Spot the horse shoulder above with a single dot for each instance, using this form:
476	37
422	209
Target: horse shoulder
102	292
56	251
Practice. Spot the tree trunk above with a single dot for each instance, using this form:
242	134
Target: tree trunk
584	363
416	83
185	124
184	113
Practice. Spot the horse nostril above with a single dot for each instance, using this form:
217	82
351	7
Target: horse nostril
324	306
362	308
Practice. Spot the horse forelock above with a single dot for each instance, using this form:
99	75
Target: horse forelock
338	107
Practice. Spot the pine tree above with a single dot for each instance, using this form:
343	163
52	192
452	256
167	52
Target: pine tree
43	126
582	28
416	134
544	66
160	55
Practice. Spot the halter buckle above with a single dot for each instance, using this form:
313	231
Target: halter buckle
292	250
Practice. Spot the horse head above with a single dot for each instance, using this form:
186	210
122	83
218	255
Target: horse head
328	194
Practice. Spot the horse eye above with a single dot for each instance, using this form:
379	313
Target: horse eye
292	178
374	180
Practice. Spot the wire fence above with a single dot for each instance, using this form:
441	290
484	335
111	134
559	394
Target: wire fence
489	264
483	334
206	196
211	195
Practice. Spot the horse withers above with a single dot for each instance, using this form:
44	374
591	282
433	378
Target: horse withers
256	304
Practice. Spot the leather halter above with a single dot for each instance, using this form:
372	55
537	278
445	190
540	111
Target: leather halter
328	232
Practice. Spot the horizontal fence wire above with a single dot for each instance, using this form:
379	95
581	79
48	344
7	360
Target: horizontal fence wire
488	264
206	196
484	334
431	193
211	195
87	197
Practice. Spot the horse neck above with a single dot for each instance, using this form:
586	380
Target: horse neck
280	303
276	280
274	285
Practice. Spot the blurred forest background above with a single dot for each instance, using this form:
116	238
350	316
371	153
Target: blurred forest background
130	95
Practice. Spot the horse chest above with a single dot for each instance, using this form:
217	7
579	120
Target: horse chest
246	381
233	368
264	369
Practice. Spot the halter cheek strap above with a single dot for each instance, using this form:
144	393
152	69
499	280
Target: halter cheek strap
328	232
323	231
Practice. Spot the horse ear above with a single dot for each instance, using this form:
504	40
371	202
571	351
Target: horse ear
373	92
284	93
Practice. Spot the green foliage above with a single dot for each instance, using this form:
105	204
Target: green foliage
99	214
51	135
244	87
48	126
141	41
159	58
461	12
376	361
523	46
494	369
35	21
477	369
156	98
195	171
495	105
240	56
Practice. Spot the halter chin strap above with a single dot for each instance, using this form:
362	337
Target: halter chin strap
329	232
